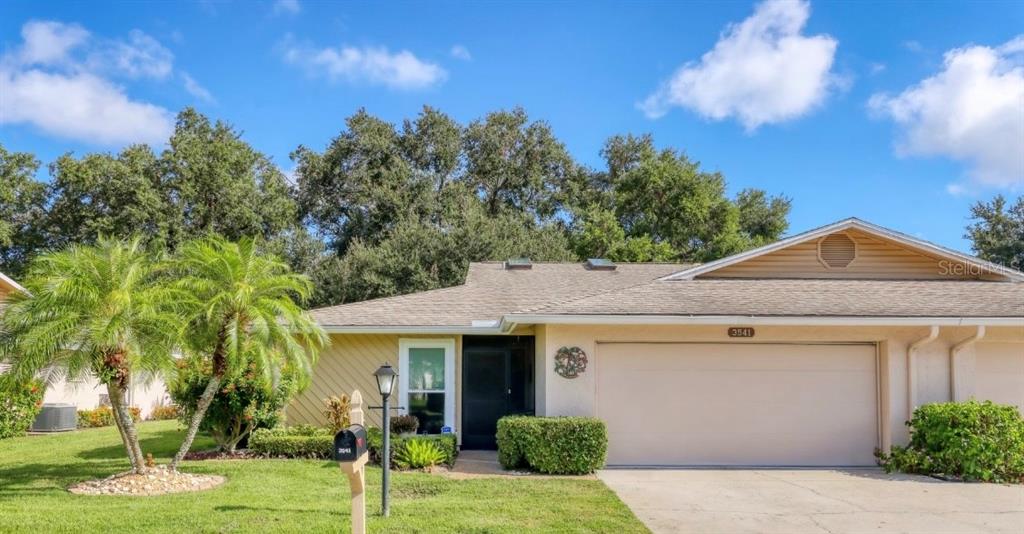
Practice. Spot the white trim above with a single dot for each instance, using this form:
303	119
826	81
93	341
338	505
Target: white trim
845	224
448	344
397	329
10	282
764	320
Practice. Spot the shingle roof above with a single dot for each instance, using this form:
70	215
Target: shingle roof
791	297
490	292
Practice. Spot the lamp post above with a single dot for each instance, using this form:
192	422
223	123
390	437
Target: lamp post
385	376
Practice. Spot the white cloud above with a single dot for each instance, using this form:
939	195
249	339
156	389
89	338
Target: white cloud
48	42
377	66
877	68
80	106
53	83
761	71
971	111
140	57
291	7
195	89
461	52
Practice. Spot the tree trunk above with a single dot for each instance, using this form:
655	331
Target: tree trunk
124	419
197	418
120	430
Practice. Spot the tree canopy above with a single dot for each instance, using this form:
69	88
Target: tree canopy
997	231
385	208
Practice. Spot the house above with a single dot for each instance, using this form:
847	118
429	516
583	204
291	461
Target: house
810	351
145	392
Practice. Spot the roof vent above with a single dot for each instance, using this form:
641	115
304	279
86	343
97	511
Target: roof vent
837	251
518	264
600	264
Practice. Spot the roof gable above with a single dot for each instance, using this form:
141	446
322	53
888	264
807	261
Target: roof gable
880	253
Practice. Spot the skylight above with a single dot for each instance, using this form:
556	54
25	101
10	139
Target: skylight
600	264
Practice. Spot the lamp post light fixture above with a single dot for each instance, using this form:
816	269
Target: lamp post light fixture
385	376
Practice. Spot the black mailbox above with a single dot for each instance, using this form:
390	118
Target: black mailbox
349	443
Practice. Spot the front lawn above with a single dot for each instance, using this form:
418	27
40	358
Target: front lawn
277	495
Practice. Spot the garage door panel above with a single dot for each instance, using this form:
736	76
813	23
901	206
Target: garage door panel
999	369
740	404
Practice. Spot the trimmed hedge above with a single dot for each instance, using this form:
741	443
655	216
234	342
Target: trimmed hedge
19	406
104	416
302	441
553	445
447	444
966	440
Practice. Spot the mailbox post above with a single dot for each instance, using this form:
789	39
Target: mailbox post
350	453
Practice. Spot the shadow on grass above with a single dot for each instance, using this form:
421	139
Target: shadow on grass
23	477
268	509
161	444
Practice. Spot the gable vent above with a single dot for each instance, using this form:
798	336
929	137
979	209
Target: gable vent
837	250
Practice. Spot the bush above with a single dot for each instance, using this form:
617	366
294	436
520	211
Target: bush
446	443
418	454
301	441
19	405
163	412
247	400
404	424
968	440
554	445
337	411
103	416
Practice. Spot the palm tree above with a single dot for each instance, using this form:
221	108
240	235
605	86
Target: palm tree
94	310
246	311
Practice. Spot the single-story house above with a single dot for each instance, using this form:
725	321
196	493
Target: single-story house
145	392
811	351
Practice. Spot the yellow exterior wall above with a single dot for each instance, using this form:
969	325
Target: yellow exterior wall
578	396
348	364
876	258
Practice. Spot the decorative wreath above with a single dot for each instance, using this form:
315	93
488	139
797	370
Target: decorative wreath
570	362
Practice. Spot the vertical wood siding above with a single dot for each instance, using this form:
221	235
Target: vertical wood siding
876	258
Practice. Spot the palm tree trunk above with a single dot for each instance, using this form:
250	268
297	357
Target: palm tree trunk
197	418
127	426
124	437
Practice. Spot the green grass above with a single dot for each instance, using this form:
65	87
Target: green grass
278	495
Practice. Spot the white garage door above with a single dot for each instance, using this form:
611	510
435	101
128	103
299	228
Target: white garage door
738	404
999	373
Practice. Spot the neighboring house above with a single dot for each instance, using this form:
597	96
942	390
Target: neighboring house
809	351
146	393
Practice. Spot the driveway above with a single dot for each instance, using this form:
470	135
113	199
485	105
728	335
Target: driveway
813	501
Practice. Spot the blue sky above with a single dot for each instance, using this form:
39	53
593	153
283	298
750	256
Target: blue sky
901	113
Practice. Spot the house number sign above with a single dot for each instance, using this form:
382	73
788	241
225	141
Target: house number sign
741	331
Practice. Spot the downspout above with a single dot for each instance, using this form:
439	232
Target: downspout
954	352
912	369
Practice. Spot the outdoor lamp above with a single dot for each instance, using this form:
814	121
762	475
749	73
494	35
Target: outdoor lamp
385	376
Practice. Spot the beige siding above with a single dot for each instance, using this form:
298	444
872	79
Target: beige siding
347	365
876	258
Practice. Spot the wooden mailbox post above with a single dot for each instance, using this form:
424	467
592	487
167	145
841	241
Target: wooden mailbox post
350	453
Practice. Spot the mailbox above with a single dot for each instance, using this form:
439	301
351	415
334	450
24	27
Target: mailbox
350	443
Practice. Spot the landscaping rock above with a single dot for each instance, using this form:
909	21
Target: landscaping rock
158	481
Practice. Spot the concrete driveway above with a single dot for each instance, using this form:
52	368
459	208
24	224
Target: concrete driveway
813	501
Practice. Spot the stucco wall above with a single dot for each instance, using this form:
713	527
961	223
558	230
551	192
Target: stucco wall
577	396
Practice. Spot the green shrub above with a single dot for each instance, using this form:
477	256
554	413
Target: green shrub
554	445
247	400
418	454
300	441
19	405
968	440
446	443
404	424
164	412
103	416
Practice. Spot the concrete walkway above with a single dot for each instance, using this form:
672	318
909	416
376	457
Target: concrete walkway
813	501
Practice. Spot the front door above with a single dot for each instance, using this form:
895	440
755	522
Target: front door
497	380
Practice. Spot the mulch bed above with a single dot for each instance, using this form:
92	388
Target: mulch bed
240	454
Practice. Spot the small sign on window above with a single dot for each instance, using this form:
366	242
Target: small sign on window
741	331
